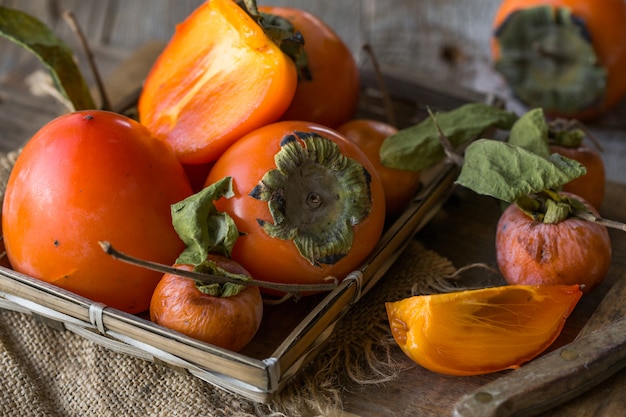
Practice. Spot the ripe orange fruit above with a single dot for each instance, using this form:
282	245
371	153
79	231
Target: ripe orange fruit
481	331
571	251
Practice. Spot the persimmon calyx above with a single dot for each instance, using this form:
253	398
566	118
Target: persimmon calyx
551	207
225	289
315	196
548	59
283	34
548	207
566	133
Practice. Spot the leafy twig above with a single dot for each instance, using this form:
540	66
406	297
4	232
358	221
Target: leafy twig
613	224
445	142
386	97
295	289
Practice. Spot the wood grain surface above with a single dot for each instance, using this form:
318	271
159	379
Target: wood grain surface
445	40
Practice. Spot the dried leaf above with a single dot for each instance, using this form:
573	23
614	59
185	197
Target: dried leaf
36	37
418	147
531	133
506	171
202	227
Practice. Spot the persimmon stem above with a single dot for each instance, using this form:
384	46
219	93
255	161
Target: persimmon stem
295	289
72	22
386	97
569	124
613	224
445	142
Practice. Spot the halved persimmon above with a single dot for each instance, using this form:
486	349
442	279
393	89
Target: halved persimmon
481	331
219	77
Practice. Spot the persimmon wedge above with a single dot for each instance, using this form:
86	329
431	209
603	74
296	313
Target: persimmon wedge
219	77
481	331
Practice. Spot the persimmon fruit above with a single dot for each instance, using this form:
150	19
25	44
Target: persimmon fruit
328	93
230	322
219	77
566	56
307	202
400	185
590	186
86	177
481	331
570	251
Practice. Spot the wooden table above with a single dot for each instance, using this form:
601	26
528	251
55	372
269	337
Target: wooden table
463	231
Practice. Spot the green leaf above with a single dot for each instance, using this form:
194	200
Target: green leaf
202	227
57	57
506	171
531	133
418	147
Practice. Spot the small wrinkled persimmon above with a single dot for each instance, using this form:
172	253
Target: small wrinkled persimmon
400	185
307	202
204	312
328	91
481	331
219	77
86	177
541	249
566	56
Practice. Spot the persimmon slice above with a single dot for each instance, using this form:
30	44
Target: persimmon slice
481	331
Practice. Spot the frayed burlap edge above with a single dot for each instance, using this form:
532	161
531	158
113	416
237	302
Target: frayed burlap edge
361	349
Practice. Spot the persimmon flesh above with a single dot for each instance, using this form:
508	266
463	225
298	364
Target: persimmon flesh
481	331
218	78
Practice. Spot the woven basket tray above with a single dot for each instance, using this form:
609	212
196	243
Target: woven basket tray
286	342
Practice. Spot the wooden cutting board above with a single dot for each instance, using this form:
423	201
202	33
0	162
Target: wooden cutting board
598	353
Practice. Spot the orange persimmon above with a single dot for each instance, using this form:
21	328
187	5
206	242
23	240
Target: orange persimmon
85	177
307	202
590	186
328	93
400	185
219	77
566	56
566	137
481	331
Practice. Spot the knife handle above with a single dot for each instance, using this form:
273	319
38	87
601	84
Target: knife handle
552	379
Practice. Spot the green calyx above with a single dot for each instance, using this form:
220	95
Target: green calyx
282	33
548	60
316	195
227	289
549	207
565	133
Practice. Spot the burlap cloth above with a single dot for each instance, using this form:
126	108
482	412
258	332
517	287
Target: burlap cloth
48	372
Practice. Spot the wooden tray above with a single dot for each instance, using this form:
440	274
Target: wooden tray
285	343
